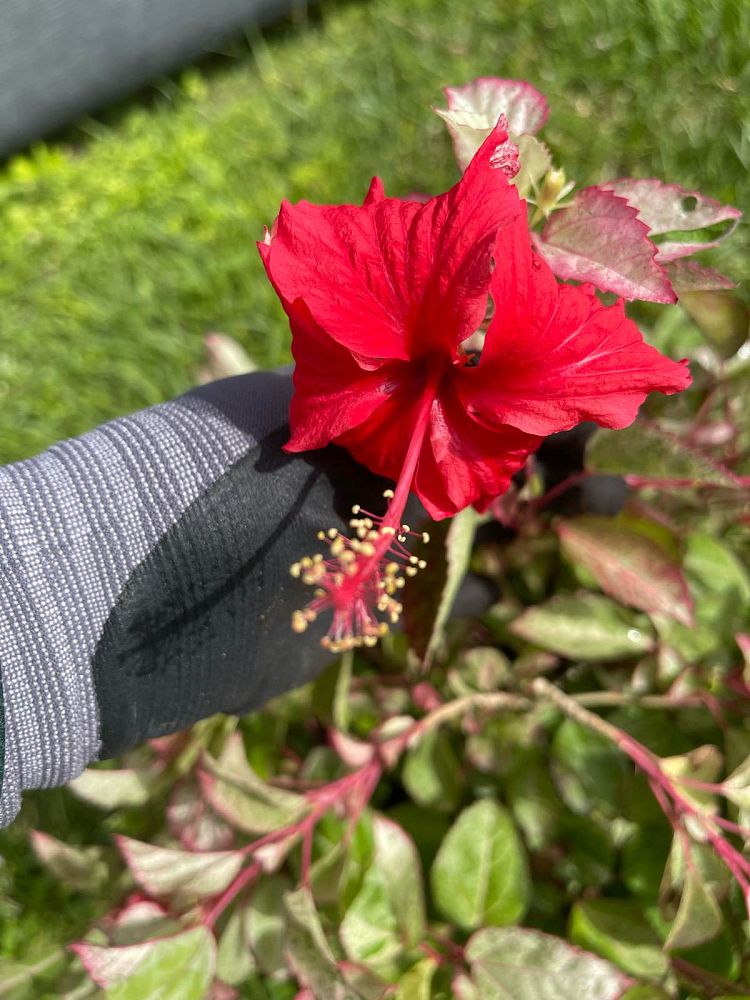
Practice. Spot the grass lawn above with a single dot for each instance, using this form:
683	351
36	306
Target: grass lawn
121	248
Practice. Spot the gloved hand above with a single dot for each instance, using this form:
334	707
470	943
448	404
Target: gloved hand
144	575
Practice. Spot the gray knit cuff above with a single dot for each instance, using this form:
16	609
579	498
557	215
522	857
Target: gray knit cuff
74	522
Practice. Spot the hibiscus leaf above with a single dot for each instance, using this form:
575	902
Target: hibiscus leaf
113	789
515	963
647	450
600	239
689	276
398	862
698	918
669	208
458	545
235	960
194	823
480	874
266	923
176	968
524	107
80	868
308	951
628	564
722	318
432	773
164	871
246	801
617	930
583	626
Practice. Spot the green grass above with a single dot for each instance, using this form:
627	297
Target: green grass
119	253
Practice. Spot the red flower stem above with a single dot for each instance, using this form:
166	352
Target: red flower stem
245	877
642	757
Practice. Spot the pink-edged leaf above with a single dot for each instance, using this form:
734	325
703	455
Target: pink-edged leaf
353	752
164	871
246	801
516	963
687	276
669	208
107	966
193	822
629	565
180	966
80	868
139	919
600	239
489	96
114	789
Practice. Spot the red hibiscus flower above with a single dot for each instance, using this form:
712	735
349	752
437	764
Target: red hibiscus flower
381	300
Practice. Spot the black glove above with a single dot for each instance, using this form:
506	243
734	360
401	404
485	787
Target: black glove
144	574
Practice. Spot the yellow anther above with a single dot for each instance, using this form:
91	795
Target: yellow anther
422	564
411	570
321	536
405	528
426	537
295	569
333	532
299	624
413	560
356	509
388	494
388	530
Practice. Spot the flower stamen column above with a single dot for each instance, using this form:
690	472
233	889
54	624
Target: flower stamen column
360	579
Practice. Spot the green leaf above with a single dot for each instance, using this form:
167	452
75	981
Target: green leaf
417	983
589	772
447	555
237	793
722	318
235	960
369	931
720	583
583	626
532	798
480	874
176	968
267	923
698	918
520	964
645	450
628	565
308	950
617	930
80	868
397	860
432	773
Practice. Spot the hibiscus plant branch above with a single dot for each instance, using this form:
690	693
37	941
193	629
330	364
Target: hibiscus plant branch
684	813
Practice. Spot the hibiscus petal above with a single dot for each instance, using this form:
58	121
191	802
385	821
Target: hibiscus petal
390	279
456	232
332	393
555	356
329	256
460	463
463	463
